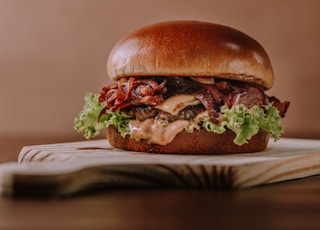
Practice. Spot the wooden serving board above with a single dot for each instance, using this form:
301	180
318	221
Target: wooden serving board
67	168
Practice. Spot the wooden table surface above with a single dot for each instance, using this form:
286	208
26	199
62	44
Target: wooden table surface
287	205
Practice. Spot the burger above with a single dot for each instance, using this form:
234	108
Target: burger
186	87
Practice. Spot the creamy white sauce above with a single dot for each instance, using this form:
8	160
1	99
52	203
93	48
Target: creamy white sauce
155	131
159	132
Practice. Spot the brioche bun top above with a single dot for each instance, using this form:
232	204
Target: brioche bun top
190	48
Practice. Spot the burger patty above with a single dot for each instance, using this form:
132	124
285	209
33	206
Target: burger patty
141	94
186	114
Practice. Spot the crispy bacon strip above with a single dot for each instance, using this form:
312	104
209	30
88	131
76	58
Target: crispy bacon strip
148	91
208	102
281	106
132	91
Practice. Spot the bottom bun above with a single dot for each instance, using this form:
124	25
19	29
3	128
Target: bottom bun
199	142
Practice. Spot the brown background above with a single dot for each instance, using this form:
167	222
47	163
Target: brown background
53	52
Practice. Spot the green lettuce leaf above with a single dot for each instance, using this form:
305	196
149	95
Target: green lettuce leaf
242	121
120	121
87	122
246	122
90	125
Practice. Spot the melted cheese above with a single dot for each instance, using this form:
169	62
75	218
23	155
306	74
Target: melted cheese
155	131
175	104
204	80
